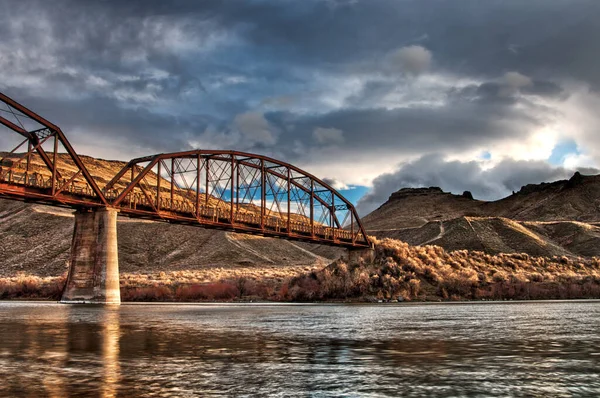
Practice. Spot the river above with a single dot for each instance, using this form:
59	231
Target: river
422	350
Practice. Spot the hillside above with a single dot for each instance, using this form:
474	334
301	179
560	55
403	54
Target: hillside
547	219
36	239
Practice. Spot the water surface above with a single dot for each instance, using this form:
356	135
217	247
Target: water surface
501	349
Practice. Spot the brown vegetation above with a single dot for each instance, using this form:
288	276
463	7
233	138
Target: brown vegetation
406	272
23	286
209	285
399	272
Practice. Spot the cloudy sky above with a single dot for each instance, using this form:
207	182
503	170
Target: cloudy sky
370	95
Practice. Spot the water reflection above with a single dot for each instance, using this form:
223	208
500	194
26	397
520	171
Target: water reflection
110	351
550	349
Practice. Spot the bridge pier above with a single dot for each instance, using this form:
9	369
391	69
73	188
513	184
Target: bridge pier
94	267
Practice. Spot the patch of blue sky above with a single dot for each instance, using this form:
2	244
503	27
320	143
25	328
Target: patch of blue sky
562	150
354	193
485	155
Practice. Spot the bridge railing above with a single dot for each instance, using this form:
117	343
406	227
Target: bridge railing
17	176
211	214
215	214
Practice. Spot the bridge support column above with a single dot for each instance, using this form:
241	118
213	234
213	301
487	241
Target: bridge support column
360	256
94	267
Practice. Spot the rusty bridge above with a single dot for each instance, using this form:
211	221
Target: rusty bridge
228	190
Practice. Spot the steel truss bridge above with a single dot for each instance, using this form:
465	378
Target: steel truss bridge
228	190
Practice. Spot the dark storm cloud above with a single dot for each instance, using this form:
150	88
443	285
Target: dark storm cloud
105	120
101	37
457	177
405	131
545	89
476	115
166	75
507	91
484	38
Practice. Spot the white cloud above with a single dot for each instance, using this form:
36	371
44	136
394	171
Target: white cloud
412	59
346	167
255	128
575	161
336	184
328	136
537	146
580	120
517	80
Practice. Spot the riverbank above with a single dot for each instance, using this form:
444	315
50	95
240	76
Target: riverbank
400	272
429	273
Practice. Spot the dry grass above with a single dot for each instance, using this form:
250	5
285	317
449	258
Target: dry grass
212	284
400	271
23	286
431	273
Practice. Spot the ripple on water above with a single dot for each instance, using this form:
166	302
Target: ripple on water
512	349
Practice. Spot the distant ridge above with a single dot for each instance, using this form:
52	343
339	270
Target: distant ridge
546	219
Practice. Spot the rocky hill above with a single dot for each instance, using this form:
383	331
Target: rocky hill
547	219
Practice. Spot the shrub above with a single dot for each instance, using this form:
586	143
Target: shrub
400	269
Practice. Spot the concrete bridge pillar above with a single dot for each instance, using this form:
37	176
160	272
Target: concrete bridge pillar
94	267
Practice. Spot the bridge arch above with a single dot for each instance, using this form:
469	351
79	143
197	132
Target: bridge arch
236	191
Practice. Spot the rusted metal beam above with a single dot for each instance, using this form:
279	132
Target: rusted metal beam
231	199
32	138
198	172
39	119
172	192
158	178
207	172
55	173
135	181
288	201
263	193
312	207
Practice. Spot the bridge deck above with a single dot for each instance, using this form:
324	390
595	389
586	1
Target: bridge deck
179	212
